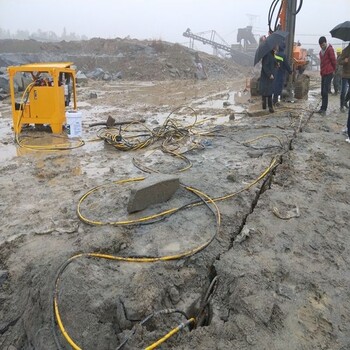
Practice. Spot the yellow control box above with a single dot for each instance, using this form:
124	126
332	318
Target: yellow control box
45	99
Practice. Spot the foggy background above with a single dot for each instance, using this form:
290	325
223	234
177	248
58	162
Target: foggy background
164	19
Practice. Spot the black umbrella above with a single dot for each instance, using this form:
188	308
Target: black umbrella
274	39
341	31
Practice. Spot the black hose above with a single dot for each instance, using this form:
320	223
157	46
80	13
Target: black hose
271	13
299	7
115	123
146	319
54	296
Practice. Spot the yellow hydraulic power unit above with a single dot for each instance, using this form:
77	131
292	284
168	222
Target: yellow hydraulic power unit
45	99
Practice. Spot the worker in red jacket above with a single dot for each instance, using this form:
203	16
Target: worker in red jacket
328	65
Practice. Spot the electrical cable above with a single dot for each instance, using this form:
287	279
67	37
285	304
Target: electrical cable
144	220
299	7
207	298
277	24
146	169
203	199
171	134
264	136
85	219
59	147
271	13
146	319
170	334
136	259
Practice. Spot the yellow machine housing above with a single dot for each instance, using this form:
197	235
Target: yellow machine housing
45	99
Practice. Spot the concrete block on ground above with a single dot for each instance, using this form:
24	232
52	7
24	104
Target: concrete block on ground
156	188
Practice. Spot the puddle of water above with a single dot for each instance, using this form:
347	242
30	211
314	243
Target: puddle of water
7	152
6	133
201	119
83	104
94	169
313	95
223	100
5	109
100	110
98	113
117	86
8	148
132	84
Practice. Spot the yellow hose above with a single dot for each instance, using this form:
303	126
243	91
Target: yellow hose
262	137
166	212
170	334
61	327
187	253
205	198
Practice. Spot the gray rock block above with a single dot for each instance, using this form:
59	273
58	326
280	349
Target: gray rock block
154	189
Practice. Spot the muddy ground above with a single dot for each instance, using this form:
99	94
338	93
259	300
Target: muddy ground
264	265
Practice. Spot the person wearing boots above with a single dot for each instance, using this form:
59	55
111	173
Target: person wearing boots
267	77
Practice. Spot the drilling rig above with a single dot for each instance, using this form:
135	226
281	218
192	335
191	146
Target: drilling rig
285	20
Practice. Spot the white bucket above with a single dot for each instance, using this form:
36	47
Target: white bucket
73	126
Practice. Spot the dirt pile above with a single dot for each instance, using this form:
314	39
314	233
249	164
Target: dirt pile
133	59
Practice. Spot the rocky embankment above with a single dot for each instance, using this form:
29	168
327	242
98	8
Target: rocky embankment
112	59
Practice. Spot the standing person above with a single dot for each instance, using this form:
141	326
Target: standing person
344	61
283	67
337	74
328	65
267	76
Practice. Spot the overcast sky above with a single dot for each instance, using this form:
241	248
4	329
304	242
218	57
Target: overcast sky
167	19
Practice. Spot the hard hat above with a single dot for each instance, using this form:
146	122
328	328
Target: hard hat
339	50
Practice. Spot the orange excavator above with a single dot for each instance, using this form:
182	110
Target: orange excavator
282	16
